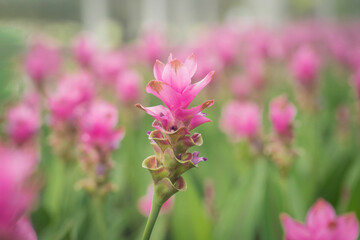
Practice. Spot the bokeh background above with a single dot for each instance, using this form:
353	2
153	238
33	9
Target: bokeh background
236	194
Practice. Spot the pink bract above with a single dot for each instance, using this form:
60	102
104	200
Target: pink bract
98	126
282	114
22	123
173	86
241	120
322	224
42	61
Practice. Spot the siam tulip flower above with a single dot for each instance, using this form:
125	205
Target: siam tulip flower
255	71
99	137
173	86
42	61
171	138
305	66
84	51
241	120
98	126
128	86
22	123
241	87
322	224
152	47
72	93
282	114
108	66
16	193
144	203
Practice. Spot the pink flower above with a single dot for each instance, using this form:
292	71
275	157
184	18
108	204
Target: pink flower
241	120
153	46
322	224
98	126
241	86
109	65
305	66
72	93
144	203
16	193
128	86
22	123
282	114
42	61
173	86
84	51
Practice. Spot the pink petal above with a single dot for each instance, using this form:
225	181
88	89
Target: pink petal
191	65
160	113
320	215
347	227
163	91
294	230
158	70
24	230
191	91
197	120
176	75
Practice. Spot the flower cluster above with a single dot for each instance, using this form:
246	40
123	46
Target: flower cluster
171	138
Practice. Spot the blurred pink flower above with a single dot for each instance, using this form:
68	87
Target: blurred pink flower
255	71
144	203
173	86
42	61
241	120
282	114
152	47
16	193
108	66
98	126
22	123
128	87
305	66
84	50
322	224
72	91
241	86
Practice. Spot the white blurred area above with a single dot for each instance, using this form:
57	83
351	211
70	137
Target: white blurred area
130	17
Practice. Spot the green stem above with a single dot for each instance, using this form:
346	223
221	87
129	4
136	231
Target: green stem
154	213
99	217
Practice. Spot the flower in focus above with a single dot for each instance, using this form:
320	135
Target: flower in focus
128	86
84	51
98	126
72	93
16	193
22	123
305	66
42	61
322	224
173	86
144	203
241	120
171	138
282	114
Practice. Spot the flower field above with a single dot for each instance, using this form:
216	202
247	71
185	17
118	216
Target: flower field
237	132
